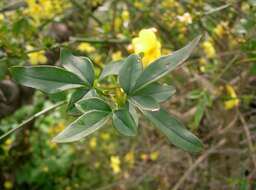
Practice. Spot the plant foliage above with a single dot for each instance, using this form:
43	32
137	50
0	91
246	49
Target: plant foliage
137	88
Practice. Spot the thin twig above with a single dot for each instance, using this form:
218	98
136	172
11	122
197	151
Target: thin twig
77	40
214	10
197	162
225	69
248	138
74	40
35	116
13	6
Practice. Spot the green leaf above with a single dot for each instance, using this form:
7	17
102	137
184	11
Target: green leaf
57	97
244	184
77	95
124	122
91	93
88	123
200	108
81	66
49	79
133	112
111	69
93	103
157	91
174	130
204	101
145	103
165	64
131	70
199	113
195	94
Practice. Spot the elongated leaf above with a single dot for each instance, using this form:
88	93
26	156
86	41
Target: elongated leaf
93	103
129	73
200	108
57	97
77	95
165	64
91	93
49	79
133	112
88	123
124	122
145	103
81	66
174	130
159	92
111	69
204	101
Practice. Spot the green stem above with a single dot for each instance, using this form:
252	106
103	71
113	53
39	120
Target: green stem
35	116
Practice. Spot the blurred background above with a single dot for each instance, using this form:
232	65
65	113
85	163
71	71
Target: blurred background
215	95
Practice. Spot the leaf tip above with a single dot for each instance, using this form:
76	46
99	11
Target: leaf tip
58	139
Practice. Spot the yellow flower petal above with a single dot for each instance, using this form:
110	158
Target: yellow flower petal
209	49
37	58
154	155
115	164
117	56
147	44
93	142
8	184
85	47
234	101
129	158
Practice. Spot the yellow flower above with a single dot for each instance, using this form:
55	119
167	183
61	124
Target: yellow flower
8	184
56	129
234	101
8	142
185	18
129	158
202	69
147	44
97	59
125	15
115	164
44	9
138	4
105	136
168	3
202	63
220	29
144	157
209	49
37	58
85	47
154	155
1	18
117	56
117	23
93	142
